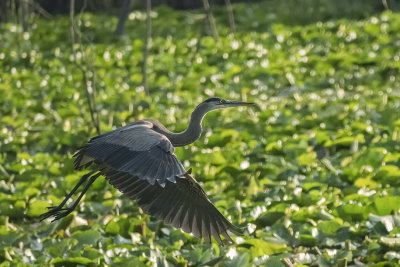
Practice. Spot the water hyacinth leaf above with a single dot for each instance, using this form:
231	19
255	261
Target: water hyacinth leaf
391	242
307	159
216	158
112	227
212	262
56	247
37	207
352	212
222	138
198	255
387	205
72	261
89	237
239	258
366	182
307	240
388	174
7	237
260	247
269	218
329	227
91	253
389	222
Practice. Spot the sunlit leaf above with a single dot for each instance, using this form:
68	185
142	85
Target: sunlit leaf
387	204
260	247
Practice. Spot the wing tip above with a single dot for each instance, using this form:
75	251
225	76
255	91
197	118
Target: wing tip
236	230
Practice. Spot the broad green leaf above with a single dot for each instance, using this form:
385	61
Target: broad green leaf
307	159
329	227
387	205
215	158
73	260
37	208
89	237
269	218
391	242
7	237
260	247
388	174
352	212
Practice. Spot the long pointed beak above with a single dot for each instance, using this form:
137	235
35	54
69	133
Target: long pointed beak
231	103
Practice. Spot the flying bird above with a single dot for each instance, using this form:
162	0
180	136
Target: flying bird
138	159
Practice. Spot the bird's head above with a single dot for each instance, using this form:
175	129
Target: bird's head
214	103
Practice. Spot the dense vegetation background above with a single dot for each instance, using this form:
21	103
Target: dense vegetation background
312	173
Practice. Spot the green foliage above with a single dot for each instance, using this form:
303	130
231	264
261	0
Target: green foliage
312	173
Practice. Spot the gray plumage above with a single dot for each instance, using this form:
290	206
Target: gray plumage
135	149
138	159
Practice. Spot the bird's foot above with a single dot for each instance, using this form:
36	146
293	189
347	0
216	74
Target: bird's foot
60	214
57	211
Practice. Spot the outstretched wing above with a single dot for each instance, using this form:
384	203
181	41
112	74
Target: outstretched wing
135	156
183	204
135	149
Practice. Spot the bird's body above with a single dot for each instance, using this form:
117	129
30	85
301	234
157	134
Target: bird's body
138	159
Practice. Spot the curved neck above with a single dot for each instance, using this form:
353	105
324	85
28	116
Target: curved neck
192	133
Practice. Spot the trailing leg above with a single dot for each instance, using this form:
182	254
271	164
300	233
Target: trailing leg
67	211
54	210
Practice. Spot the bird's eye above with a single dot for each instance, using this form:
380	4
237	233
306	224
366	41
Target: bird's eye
221	101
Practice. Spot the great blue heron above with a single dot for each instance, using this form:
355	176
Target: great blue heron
138	159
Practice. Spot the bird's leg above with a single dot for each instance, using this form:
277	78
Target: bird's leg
68	210
55	209
81	181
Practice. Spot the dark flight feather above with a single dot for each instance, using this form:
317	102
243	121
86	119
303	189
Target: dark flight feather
190	210
141	163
